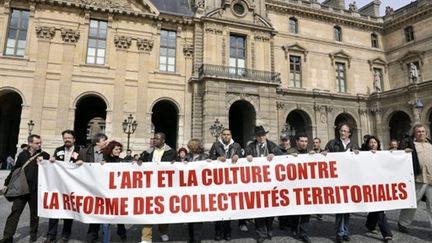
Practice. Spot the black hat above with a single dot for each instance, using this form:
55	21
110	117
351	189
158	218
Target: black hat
260	131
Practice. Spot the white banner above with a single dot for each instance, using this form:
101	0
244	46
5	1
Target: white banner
155	193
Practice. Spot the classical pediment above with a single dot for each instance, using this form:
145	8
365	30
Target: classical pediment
412	56
377	62
138	6
295	48
340	55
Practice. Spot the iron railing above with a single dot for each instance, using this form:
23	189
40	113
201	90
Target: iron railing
208	70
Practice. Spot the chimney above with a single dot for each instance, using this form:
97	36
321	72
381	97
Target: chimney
340	4
371	9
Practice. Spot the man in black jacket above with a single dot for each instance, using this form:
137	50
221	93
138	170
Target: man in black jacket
67	153
225	148
299	224
262	147
340	144
35	155
161	152
421	148
93	154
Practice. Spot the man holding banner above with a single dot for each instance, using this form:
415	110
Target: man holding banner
67	153
225	148
299	224
28	160
161	152
341	144
262	147
93	154
422	162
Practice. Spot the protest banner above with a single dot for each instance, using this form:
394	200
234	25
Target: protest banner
154	193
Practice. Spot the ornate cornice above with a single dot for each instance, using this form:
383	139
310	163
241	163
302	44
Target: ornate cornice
323	13
45	32
145	45
396	20
70	35
122	42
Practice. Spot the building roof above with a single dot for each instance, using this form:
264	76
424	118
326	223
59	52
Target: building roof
177	7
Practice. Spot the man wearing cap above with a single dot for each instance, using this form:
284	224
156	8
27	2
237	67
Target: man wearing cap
262	147
284	143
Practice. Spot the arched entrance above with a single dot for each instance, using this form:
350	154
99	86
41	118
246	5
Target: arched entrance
90	116
242	119
347	118
400	125
165	119
297	122
430	124
10	117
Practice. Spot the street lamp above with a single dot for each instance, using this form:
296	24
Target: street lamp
129	126
30	126
418	108
216	129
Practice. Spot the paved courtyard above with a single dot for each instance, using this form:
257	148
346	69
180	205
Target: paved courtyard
321	231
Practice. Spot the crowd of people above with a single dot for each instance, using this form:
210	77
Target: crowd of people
103	151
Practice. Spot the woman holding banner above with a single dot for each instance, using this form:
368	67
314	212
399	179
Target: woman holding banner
111	154
196	153
373	218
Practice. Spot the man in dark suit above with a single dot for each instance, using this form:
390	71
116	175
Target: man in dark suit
33	155
67	153
262	147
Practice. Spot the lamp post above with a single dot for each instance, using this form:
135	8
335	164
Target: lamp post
418	108
216	129
129	126
30	126
288	130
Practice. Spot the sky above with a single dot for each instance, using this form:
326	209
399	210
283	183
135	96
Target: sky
395	4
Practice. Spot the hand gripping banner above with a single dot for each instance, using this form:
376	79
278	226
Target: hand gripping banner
155	193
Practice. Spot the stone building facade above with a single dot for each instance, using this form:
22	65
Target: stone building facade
176	66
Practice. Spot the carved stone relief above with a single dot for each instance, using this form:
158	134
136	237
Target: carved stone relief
145	45
45	32
122	42
70	35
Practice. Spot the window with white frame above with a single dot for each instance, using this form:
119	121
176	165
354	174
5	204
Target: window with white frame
237	61
17	33
96	46
167	58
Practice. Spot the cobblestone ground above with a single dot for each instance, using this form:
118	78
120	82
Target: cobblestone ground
320	231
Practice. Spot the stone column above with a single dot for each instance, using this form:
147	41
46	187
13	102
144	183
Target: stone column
44	35
70	38
145	47
122	44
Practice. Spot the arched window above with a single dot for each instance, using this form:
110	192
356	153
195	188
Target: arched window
338	33
293	25
374	40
